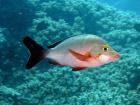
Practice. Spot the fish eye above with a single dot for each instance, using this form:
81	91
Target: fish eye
105	49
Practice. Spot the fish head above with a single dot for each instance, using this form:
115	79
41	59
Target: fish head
105	54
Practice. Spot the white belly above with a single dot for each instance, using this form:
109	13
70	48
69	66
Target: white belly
66	58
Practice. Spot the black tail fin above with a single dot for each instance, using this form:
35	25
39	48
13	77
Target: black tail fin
37	52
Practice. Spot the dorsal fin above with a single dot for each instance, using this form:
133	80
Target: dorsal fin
55	44
58	42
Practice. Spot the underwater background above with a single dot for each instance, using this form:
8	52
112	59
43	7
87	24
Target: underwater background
46	21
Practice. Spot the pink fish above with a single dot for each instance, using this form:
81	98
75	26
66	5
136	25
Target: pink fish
78	52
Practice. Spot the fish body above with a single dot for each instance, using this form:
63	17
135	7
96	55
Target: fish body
82	51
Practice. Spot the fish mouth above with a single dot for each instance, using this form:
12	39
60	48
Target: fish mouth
116	56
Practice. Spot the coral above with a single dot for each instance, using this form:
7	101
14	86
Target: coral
16	16
117	83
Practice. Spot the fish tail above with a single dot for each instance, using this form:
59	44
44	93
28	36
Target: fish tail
37	52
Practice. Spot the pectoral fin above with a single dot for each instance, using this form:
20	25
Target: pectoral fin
80	56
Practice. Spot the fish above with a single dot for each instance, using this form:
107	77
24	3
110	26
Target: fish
78	52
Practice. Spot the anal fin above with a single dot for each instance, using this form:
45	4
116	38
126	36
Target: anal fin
53	62
78	68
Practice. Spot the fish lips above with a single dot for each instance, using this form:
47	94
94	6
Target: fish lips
115	57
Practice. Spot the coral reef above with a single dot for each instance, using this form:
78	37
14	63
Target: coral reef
16	15
117	83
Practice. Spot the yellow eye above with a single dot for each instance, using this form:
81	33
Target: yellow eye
105	47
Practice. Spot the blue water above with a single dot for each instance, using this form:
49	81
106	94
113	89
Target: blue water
125	5
48	21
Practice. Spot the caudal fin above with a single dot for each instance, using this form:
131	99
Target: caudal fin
37	52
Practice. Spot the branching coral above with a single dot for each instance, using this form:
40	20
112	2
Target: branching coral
113	84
